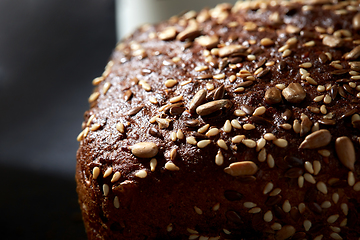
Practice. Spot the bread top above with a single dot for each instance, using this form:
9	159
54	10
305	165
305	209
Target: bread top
262	92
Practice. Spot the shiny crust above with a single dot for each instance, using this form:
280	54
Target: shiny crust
203	183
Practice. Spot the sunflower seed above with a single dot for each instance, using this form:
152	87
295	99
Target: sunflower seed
345	151
230	50
244	168
144	149
316	139
353	54
212	107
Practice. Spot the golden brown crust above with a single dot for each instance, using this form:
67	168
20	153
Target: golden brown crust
236	122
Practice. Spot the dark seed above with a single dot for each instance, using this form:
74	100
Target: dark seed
278	212
219	93
327	121
260	63
273	200
334	91
204	76
259	120
199	136
247	109
245	84
349	113
232	195
154	132
176	110
293	161
287	115
232	216
323	58
282	65
192	123
356	124
294	172
263	73
339	72
337	183
127	95
235	60
223	63
342	92
314	207
348	89
308	34
134	110
295	214
343	80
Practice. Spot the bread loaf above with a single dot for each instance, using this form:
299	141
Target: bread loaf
237	122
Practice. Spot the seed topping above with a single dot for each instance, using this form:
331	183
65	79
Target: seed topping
245	168
144	149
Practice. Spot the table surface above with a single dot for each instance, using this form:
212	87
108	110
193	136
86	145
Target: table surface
49	53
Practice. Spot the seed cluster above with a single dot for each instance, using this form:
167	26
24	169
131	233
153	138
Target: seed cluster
272	105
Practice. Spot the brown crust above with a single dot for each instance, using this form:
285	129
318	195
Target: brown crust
205	183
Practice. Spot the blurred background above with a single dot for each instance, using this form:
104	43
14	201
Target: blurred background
49	53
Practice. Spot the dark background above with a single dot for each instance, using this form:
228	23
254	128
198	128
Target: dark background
50	50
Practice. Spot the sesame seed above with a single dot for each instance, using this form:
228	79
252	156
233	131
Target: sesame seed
275	192
326	204
249	143
227	126
282	143
212	132
237	139
170	83
153	163
108	172
320	88
216	207
221	143
301	181
198	210
268	216
343	223
357	187
286	126
95	127
286	206
327	99
302	208
201	68
185	82
173	136
232	78
270	161
106	189
276	226
258	71
351	179
171	166
96	172
219	76
106	87
286	53
308	177
116	202
255	210
317	167
323	109
259	111
309	167
210	86
333	218
191	140
270	63
249	204
248	126
93	97
203	143
269	136
204	128
321	186
262	155
153	119
307	225
266	42
219	158
239	89
176	99
145	85
306	65
180	134
311	80
116	177
344	207
283	48
120	127
319	237
260	143
335	197
309	44
239	113
98	80
169	227
235	124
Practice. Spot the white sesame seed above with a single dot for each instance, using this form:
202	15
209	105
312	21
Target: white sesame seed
227	126
255	210
153	163
316	167
352	84
280	86
106	87
291	41
269	137
116	202
98	80
219	76
306	65
116	177
309	167
301	181
296	126
239	113
275	192
170	83
108	172
276	226
249	143
251	57
203	143
141	173
335	197
323	109
316	127
327	99
343	223
96	172
201	68
222	144
326	204
262	155
232	78
268	187
169	227
309	44
226	231
351	179
191	140
311	80
319	237
302	208
333	218
318	98
204	128
344	207
106	189
176	99
93	97
335	229
239	89
270	161
238	139
216	207
307	225
259	111
183	83
198	210
321	186
260	143
270	63
268	216
357	187
219	158
180	134
235	124
266	42
283	48
286	126
282	143
308	177
249	204
248	126
258	70
145	85
286	53
173	136
286	206
171	166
